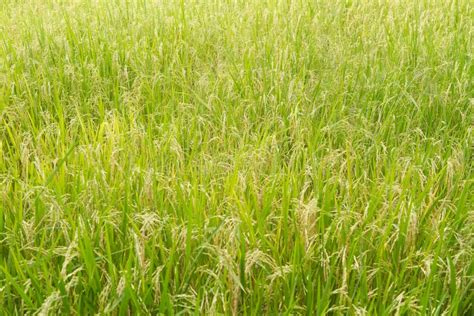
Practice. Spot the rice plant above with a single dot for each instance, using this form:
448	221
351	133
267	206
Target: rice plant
236	157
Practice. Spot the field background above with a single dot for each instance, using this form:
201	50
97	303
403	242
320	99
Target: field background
236	157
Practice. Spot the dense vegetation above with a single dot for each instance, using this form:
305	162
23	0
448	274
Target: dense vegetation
236	157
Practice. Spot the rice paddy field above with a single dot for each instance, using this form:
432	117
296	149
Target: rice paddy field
236	157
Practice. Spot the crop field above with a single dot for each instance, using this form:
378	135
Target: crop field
236	157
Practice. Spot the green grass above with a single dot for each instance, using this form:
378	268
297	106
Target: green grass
236	157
